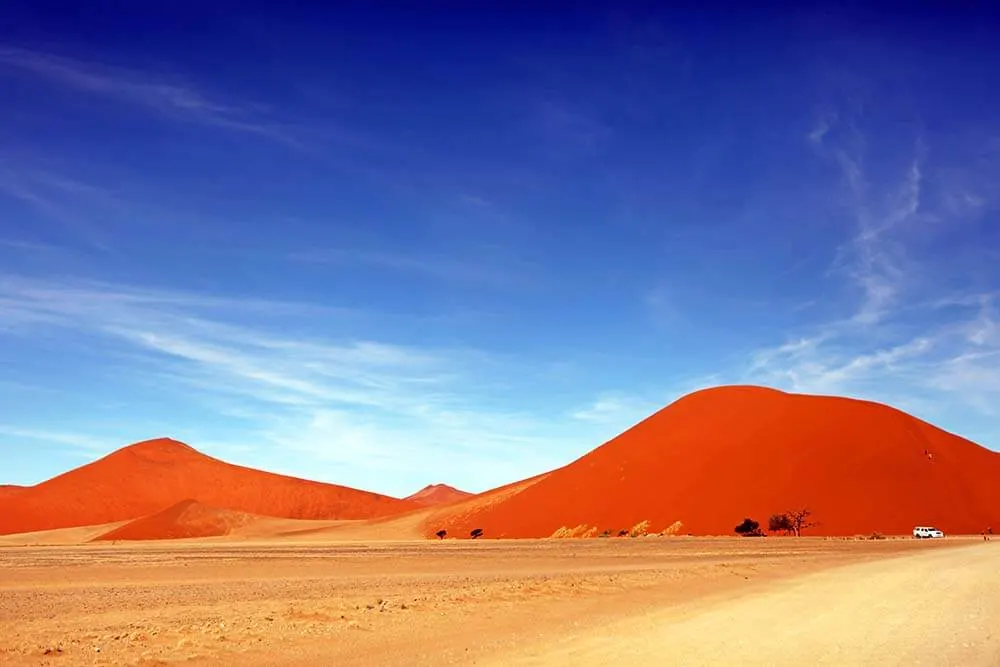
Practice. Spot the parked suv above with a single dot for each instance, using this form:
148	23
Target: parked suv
926	531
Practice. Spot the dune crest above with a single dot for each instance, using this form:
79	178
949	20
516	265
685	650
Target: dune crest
718	455
437	494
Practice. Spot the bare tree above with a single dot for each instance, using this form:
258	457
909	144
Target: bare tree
799	520
476	533
441	533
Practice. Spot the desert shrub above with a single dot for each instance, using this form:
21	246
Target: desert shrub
606	533
476	533
876	536
749	528
639	530
441	534
623	532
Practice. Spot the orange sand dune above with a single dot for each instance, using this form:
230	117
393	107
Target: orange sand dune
716	456
150	476
186	519
437	494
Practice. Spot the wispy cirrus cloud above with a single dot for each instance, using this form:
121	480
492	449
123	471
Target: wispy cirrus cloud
616	408
875	258
447	267
380	414
178	101
88	445
68	202
904	339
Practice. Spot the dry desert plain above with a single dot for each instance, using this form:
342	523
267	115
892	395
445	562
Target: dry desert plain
656	600
160	554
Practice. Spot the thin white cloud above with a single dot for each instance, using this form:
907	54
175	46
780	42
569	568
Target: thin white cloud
60	199
87	444
900	342
616	408
469	269
173	100
374	413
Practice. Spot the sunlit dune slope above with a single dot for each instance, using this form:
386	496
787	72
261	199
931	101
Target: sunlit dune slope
716	456
151	476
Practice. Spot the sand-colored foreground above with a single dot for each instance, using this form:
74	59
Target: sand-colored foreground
938	608
632	601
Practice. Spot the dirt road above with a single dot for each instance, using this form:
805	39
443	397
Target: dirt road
938	608
643	601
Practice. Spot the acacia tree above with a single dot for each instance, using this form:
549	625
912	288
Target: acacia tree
799	520
781	522
476	533
441	533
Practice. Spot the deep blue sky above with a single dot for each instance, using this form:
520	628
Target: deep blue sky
390	247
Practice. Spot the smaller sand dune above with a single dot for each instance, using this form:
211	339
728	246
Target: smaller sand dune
7	490
187	519
58	536
437	494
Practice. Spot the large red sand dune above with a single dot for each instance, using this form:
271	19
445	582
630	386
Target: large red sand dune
437	494
7	490
188	518
716	456
150	476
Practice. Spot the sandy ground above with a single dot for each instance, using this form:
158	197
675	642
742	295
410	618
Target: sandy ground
611	601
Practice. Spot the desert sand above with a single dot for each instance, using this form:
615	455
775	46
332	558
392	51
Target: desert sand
684	601
186	519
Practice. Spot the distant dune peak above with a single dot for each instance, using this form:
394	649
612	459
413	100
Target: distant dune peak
437	494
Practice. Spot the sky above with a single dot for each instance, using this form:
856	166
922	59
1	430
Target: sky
385	247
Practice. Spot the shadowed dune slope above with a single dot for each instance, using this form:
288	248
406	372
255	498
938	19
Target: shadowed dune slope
148	477
718	455
437	494
186	519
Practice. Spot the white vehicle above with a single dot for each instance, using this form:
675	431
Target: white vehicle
926	531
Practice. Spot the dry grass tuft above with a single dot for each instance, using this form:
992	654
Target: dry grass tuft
640	529
673	529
